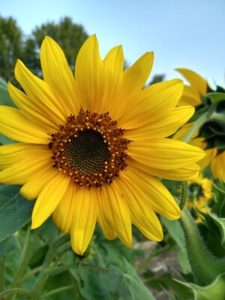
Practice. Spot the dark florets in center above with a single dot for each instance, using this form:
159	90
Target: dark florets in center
87	152
89	148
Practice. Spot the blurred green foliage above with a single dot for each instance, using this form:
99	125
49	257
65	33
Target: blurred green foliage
15	45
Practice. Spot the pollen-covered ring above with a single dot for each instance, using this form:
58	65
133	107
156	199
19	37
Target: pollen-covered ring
89	148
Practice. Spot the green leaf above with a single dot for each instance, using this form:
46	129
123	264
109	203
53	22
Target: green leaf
4	140
4	96
173	286
15	211
56	282
128	283
4	100
175	230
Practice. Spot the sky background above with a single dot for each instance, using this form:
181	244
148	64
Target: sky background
181	33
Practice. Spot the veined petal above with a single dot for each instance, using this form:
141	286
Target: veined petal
22	171
40	93
210	154
14	153
190	97
64	212
153	192
84	220
113	65
165	154
135	76
37	181
164	127
218	166
14	124
34	113
196	81
120	212
188	173
49	198
88	74
152	104
183	131
142	214
133	82
58	74
105	218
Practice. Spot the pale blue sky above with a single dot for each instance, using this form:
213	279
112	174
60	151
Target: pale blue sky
187	33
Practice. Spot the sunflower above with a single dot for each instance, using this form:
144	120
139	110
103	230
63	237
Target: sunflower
197	141
197	87
200	196
93	144
214	145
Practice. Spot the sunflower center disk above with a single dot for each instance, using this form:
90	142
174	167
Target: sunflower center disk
90	149
87	152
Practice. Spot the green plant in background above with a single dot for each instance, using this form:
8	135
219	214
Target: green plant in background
15	44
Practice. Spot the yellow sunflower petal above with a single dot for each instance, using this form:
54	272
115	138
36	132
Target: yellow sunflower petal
14	124
33	112
196	81
190	97
113	65
40	93
14	153
142	214
183	131
210	154
165	154
21	171
88	74
120	213
49	198
164	127
153	192
135	76
218	166
84	220
187	173
152	104
58	74
64	212
37	181
105	219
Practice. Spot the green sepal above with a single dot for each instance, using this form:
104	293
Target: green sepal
205	266
213	291
216	97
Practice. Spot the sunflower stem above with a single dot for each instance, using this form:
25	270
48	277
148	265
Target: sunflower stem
30	274
24	258
196	126
43	276
184	194
59	290
204	264
2	268
16	291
